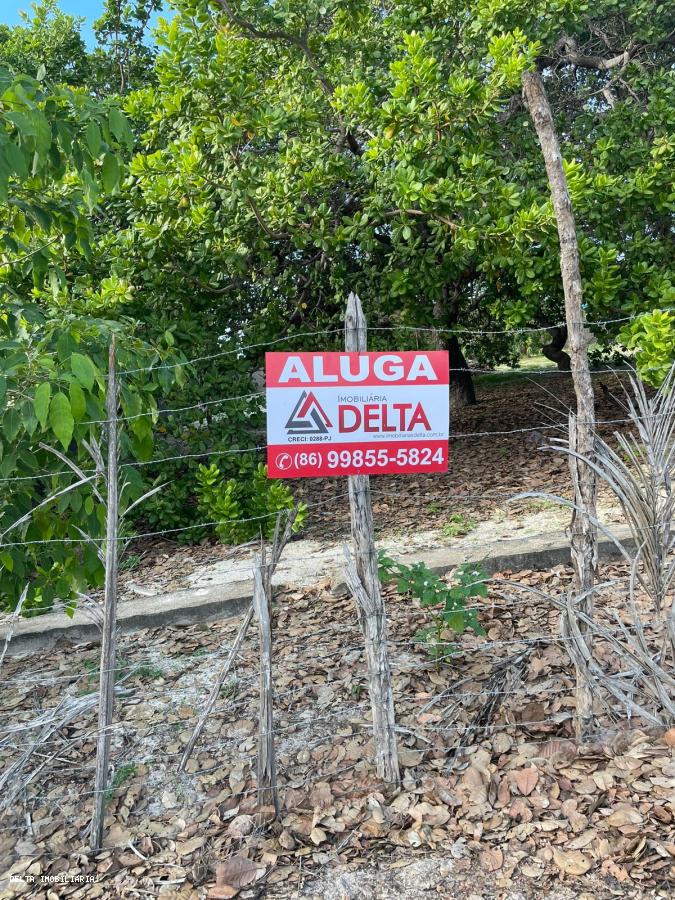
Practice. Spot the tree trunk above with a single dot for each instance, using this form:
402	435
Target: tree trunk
584	544
462	391
461	379
554	351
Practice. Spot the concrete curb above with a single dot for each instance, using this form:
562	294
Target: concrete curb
226	601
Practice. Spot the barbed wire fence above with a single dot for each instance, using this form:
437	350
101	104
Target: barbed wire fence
47	746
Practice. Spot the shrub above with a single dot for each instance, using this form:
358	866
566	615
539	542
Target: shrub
652	337
244	507
447	603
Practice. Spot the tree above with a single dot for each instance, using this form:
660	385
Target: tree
298	151
292	204
123	59
60	154
608	74
50	42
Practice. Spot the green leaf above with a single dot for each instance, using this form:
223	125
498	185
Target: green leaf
119	126
78	403
3	387
41	403
83	369
93	135
11	423
28	417
110	172
61	419
16	160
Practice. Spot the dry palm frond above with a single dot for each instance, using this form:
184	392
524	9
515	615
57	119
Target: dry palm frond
640	475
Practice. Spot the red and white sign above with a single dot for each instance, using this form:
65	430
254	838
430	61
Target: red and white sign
356	413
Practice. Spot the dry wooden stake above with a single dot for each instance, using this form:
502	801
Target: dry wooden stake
364	582
278	545
361	507
584	545
267	769
262	601
374	622
108	637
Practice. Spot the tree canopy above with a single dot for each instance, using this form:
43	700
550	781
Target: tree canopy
61	154
263	159
50	41
299	150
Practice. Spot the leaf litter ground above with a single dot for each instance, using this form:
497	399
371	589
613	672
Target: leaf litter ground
521	812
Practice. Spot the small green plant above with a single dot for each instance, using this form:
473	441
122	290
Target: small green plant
241	508
89	682
229	690
124	773
458	525
131	562
148	673
447	603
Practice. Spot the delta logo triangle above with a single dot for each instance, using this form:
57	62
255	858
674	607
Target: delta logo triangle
308	417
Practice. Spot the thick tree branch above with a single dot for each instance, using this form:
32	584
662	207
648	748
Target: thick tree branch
569	52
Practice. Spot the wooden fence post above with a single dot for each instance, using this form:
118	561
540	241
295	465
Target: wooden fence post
267	767
363	531
364	583
584	544
108	637
266	571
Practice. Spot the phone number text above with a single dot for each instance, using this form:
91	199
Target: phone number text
369	459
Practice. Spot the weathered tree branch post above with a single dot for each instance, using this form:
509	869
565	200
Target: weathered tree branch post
278	544
363	530
267	766
108	637
372	615
584	545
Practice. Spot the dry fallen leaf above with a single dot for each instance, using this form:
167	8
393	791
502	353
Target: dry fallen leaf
240	826
624	815
233	874
526	780
426	814
409	758
582	840
317	836
572	862
286	840
492	859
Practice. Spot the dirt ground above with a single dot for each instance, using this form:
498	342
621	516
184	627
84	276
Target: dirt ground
497	800
506	806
